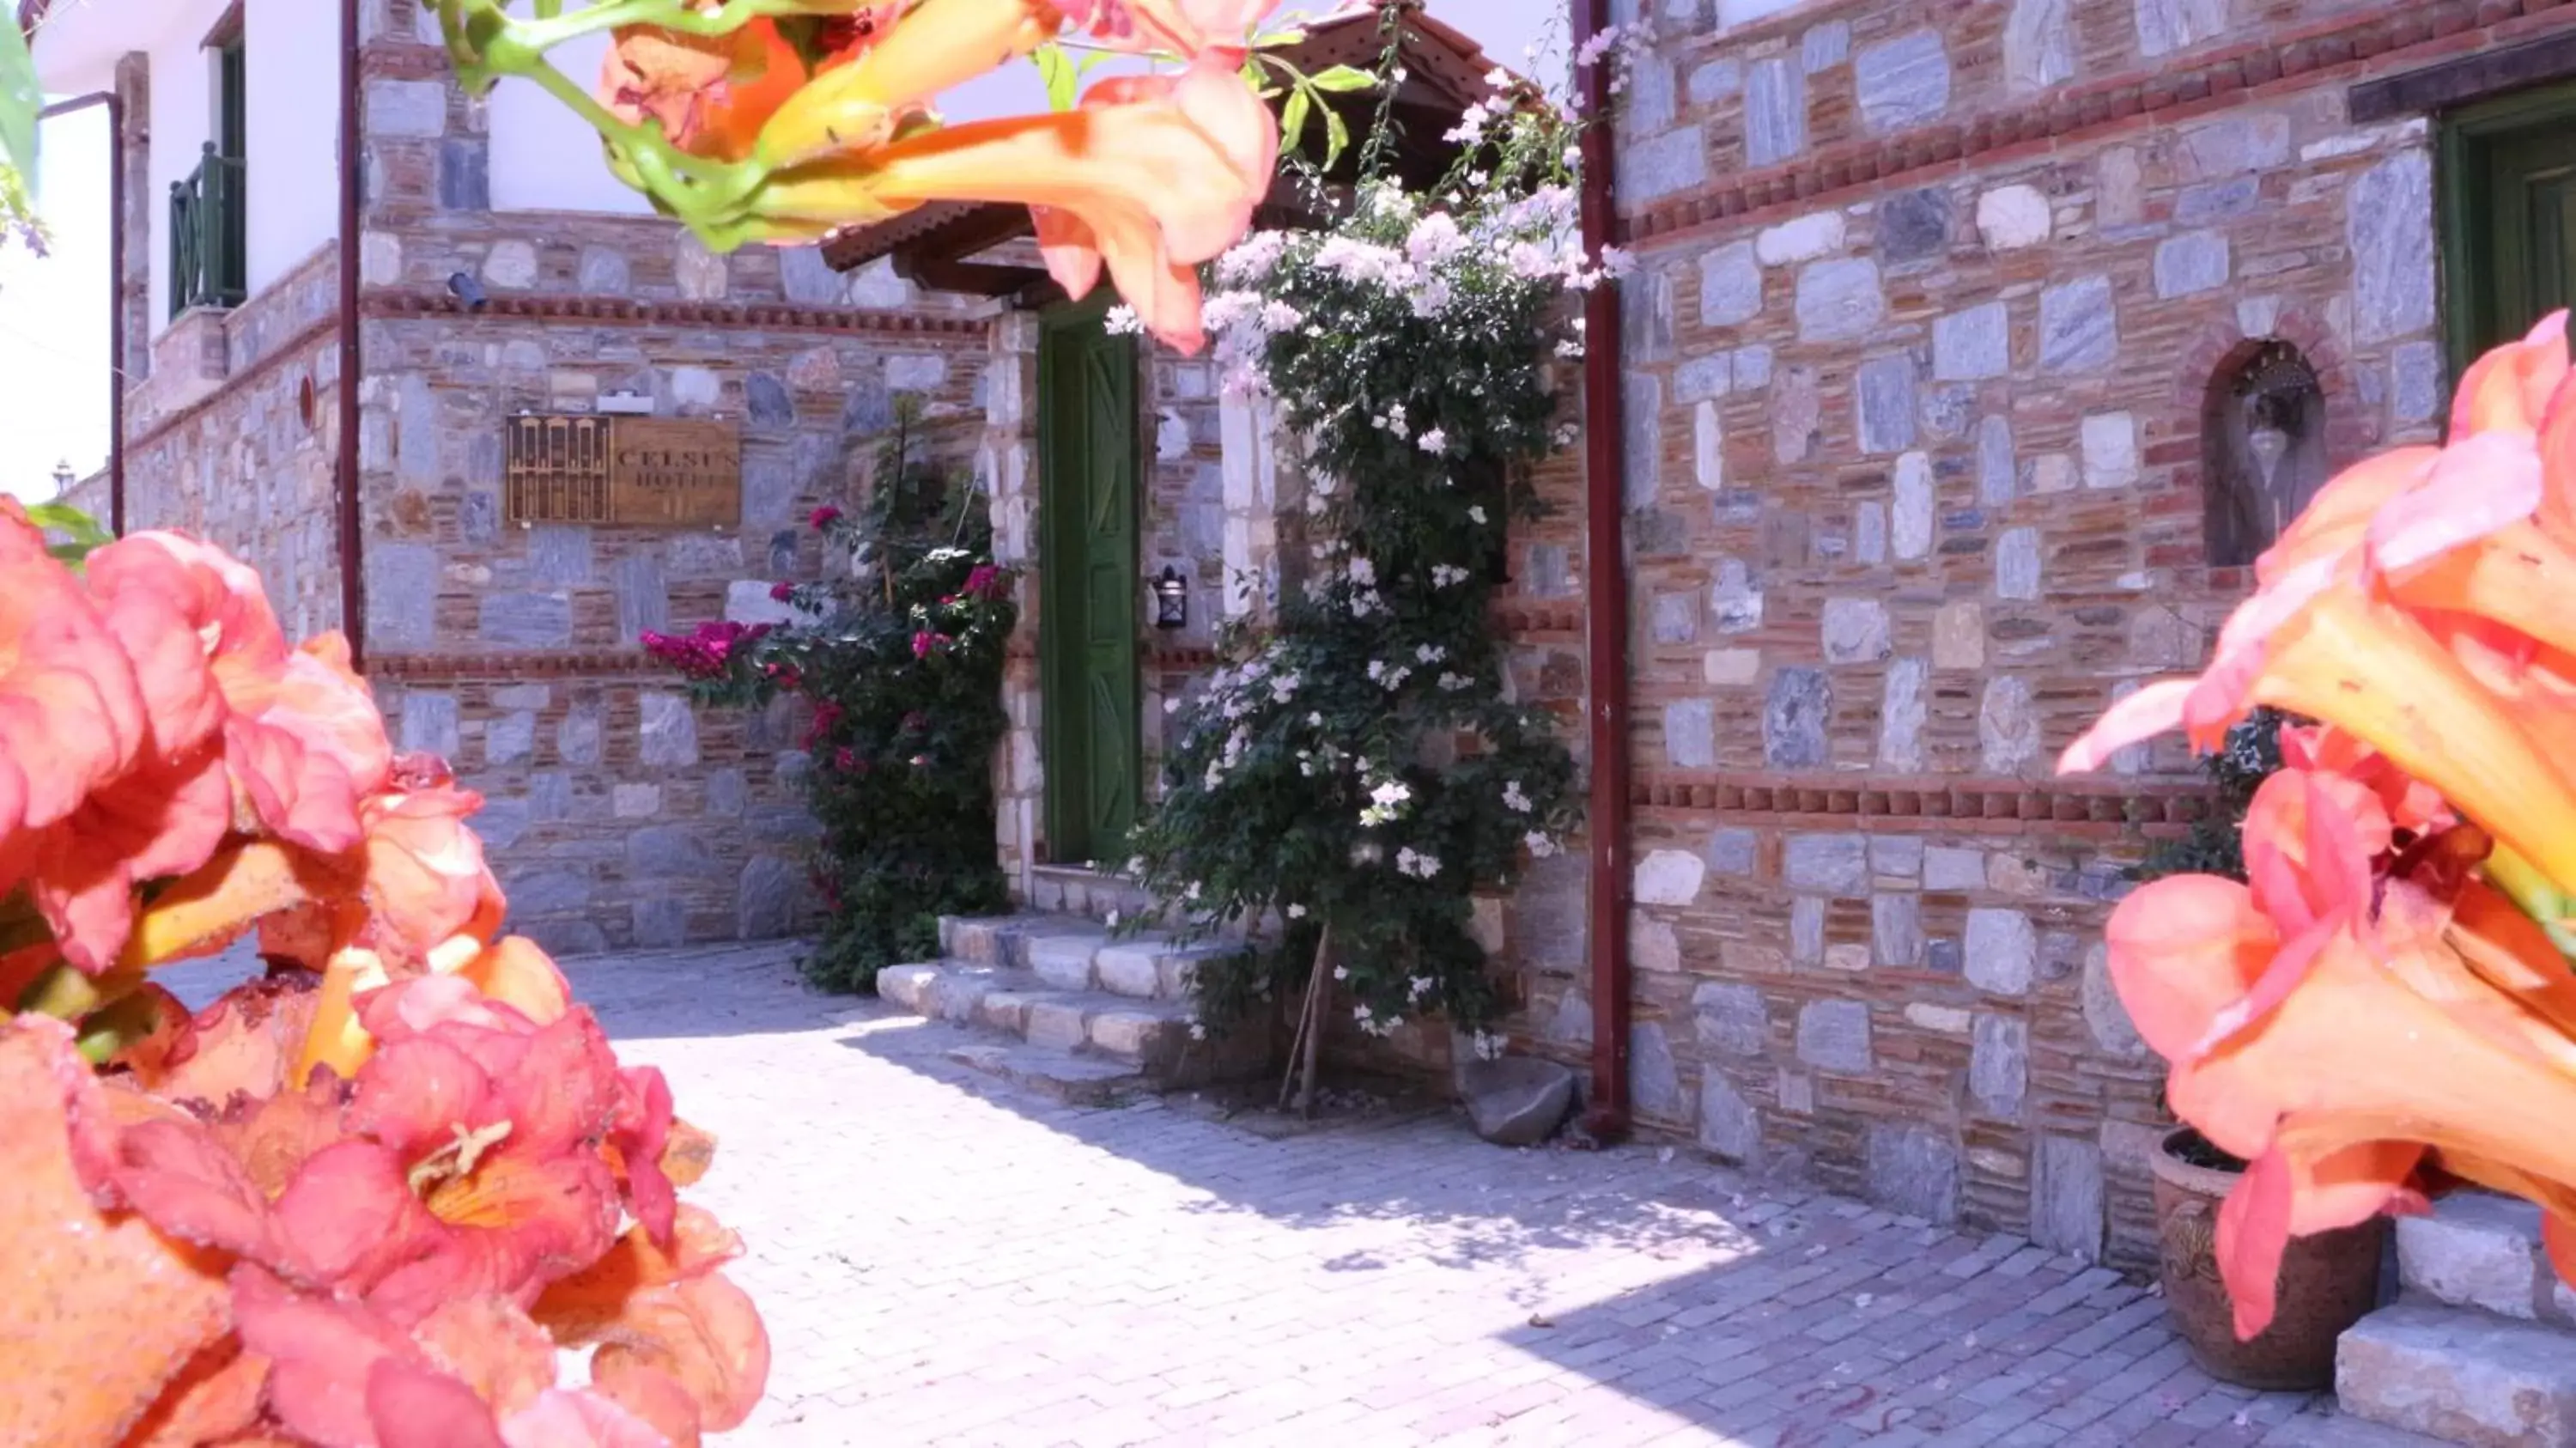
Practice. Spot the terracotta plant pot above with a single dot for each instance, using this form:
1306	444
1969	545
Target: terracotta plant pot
2328	1282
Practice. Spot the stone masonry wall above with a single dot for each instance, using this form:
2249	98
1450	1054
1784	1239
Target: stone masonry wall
618	814
1928	302
248	464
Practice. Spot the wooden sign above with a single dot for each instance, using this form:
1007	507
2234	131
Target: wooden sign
674	473
642	472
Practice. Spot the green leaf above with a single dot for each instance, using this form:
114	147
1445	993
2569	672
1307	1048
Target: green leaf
1342	78
1062	75
21	100
1292	120
1337	137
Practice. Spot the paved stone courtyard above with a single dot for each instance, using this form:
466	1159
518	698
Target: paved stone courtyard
943	1260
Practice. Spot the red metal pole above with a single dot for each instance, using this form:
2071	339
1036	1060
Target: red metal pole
353	563
1606	601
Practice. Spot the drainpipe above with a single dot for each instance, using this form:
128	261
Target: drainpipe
1605	604
115	291
353	563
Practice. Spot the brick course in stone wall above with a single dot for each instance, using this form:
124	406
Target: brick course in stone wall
1915	489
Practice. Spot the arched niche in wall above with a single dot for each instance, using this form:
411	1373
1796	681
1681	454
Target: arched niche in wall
2263	448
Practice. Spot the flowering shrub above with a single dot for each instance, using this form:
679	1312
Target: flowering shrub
902	660
2384	1007
1361	774
367	1199
784	121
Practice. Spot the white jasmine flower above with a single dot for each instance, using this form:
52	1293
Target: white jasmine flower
1514	800
1198	1032
1315	720
1476	515
1171	706
1376	670
1434	441
1421	986
1454	682
1430	654
1282	687
1278	316
1296	912
1391	794
1361	1014
1540	845
1363	573
1341	972
1122	321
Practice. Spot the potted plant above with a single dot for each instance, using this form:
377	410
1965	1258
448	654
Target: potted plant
2328	1281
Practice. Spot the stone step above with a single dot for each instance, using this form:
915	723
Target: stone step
2483	1251
1145	1035
2460	1375
1057	1075
1076	955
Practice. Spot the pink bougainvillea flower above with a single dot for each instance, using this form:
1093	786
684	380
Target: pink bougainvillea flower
71	711
824	517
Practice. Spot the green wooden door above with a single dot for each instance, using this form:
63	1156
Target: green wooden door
2509	244
1088	471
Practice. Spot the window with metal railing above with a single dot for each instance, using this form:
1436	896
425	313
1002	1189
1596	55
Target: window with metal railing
210	211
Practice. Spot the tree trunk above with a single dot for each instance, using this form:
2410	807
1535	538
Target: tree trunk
1303	1047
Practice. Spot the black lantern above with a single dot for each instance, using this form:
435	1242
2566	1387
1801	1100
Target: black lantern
1171	600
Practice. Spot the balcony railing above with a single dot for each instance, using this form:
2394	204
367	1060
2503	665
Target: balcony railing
209	235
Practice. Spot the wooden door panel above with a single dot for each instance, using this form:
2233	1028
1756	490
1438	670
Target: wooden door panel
1089	471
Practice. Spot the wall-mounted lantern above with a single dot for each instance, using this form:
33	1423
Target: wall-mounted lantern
1171	600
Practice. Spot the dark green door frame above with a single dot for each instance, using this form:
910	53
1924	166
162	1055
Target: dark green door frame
2507	176
1090	466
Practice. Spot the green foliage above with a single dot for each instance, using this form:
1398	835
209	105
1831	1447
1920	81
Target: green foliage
22	100
72	534
2216	845
904	668
1364	767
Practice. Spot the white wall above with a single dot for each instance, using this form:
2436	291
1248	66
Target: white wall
544	158
292	54
183	120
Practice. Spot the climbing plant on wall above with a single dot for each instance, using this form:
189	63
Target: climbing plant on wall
1353	778
901	658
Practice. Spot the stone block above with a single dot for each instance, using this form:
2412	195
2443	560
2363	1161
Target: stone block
1830	864
1869	534
1972	344
525	620
1775	111
1951	868
1732	1019
2476	1250
669	730
1795	715
1797	414
1903	711
2460	1376
1730	285
510	738
604	271
2196	261
1824	46
1131	968
1833	1035
2079	326
2039	46
1702	378
1856	631
2017	564
1914	1170
581	734
2110	445
1883	393
2104	1017
1732	667
1664	165
1708	448
634	801
660	923
1999	1065
402	595
429	724
1674	617
2417	383
1056	1022
1896	929
667	852
1518	1101
1065	962
2012	217
1715	80
1917	500
1641	415
907	985
1668	877
2001	953
1902	82
2390	230
1946	1020
1690	734
411	109
2166	26
1143	1036
643	595
1729	1125
1913	225
1733	851
1653	947
1800	239
2067	1201
2008	726
1840	299
2217	200
511	265
1654	1081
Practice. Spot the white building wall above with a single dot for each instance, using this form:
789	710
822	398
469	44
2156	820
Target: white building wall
292	56
543	157
183	120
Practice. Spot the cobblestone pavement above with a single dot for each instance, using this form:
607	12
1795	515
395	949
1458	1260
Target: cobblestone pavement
943	1260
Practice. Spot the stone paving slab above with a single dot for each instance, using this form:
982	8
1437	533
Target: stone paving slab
946	1259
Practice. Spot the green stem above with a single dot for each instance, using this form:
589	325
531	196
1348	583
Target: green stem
67	993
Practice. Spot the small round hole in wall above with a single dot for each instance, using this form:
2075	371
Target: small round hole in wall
304	401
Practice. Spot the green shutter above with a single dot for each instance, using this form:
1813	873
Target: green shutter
2509	217
1088	470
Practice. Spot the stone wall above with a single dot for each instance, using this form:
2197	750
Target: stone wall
242	452
1917	356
